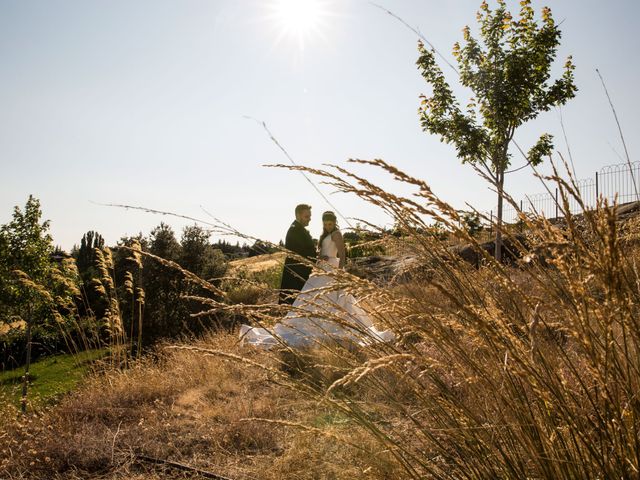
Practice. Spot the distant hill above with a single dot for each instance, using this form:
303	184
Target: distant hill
257	263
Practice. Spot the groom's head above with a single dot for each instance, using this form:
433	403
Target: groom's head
303	214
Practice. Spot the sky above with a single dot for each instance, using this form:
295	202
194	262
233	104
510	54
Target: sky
145	103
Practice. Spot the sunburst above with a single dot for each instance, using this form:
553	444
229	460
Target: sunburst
300	20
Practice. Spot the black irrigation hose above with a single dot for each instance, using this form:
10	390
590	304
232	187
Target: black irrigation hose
181	466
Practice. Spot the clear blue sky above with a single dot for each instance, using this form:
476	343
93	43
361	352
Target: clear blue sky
142	103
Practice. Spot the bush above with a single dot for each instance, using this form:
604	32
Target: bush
245	293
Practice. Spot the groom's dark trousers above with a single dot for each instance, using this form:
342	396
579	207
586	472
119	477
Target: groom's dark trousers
295	274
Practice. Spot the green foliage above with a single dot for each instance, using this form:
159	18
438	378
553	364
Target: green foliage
233	251
437	230
359	250
85	254
85	257
163	242
251	288
508	72
151	293
244	293
471	222
198	255
270	277
117	297
542	148
26	243
363	243
261	248
34	289
165	310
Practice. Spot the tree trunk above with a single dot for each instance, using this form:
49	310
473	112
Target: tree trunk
139	352
498	249
25	377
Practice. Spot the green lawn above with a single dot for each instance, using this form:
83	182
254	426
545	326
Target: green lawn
50	377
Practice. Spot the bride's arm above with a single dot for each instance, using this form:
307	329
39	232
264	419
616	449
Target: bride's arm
342	251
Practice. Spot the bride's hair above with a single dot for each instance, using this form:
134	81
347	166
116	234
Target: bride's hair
328	215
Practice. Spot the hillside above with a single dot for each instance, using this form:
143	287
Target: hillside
258	263
496	370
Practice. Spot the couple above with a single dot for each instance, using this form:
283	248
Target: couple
320	312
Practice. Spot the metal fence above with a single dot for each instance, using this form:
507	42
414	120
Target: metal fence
621	181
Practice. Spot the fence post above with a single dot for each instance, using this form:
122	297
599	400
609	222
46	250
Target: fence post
491	223
556	203
597	189
520	222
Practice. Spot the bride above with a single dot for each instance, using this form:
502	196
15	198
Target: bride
320	312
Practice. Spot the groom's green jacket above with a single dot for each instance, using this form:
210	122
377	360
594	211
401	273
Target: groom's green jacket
295	274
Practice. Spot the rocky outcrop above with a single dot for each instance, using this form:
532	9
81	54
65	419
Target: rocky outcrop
511	250
384	269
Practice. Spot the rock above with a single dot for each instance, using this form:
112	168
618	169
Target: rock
627	210
384	269
510	250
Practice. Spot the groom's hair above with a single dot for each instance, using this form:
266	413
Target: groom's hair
302	207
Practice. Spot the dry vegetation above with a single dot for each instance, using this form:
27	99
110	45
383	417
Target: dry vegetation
258	263
196	409
522	371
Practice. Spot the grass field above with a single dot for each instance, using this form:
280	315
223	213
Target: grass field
50	377
258	263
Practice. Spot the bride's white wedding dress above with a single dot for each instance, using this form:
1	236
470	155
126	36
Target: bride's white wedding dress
328	314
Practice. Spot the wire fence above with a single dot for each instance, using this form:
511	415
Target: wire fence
621	181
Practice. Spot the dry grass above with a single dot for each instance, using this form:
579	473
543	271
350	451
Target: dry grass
499	372
194	409
258	263
527	371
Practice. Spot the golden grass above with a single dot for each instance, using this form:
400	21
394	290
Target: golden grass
526	371
258	263
194	409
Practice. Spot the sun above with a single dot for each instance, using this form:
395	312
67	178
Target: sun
299	19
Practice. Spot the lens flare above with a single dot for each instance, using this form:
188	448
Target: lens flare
300	19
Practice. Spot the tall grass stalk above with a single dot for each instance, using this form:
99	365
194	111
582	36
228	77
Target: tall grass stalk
522	371
624	143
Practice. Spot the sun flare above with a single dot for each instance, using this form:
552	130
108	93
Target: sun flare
300	19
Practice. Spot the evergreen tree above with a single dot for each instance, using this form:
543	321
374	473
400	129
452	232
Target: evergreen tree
166	311
85	255
199	256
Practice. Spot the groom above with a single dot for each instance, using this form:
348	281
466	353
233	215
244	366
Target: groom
299	241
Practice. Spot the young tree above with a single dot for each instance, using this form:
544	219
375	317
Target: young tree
25	246
27	243
31	285
508	72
